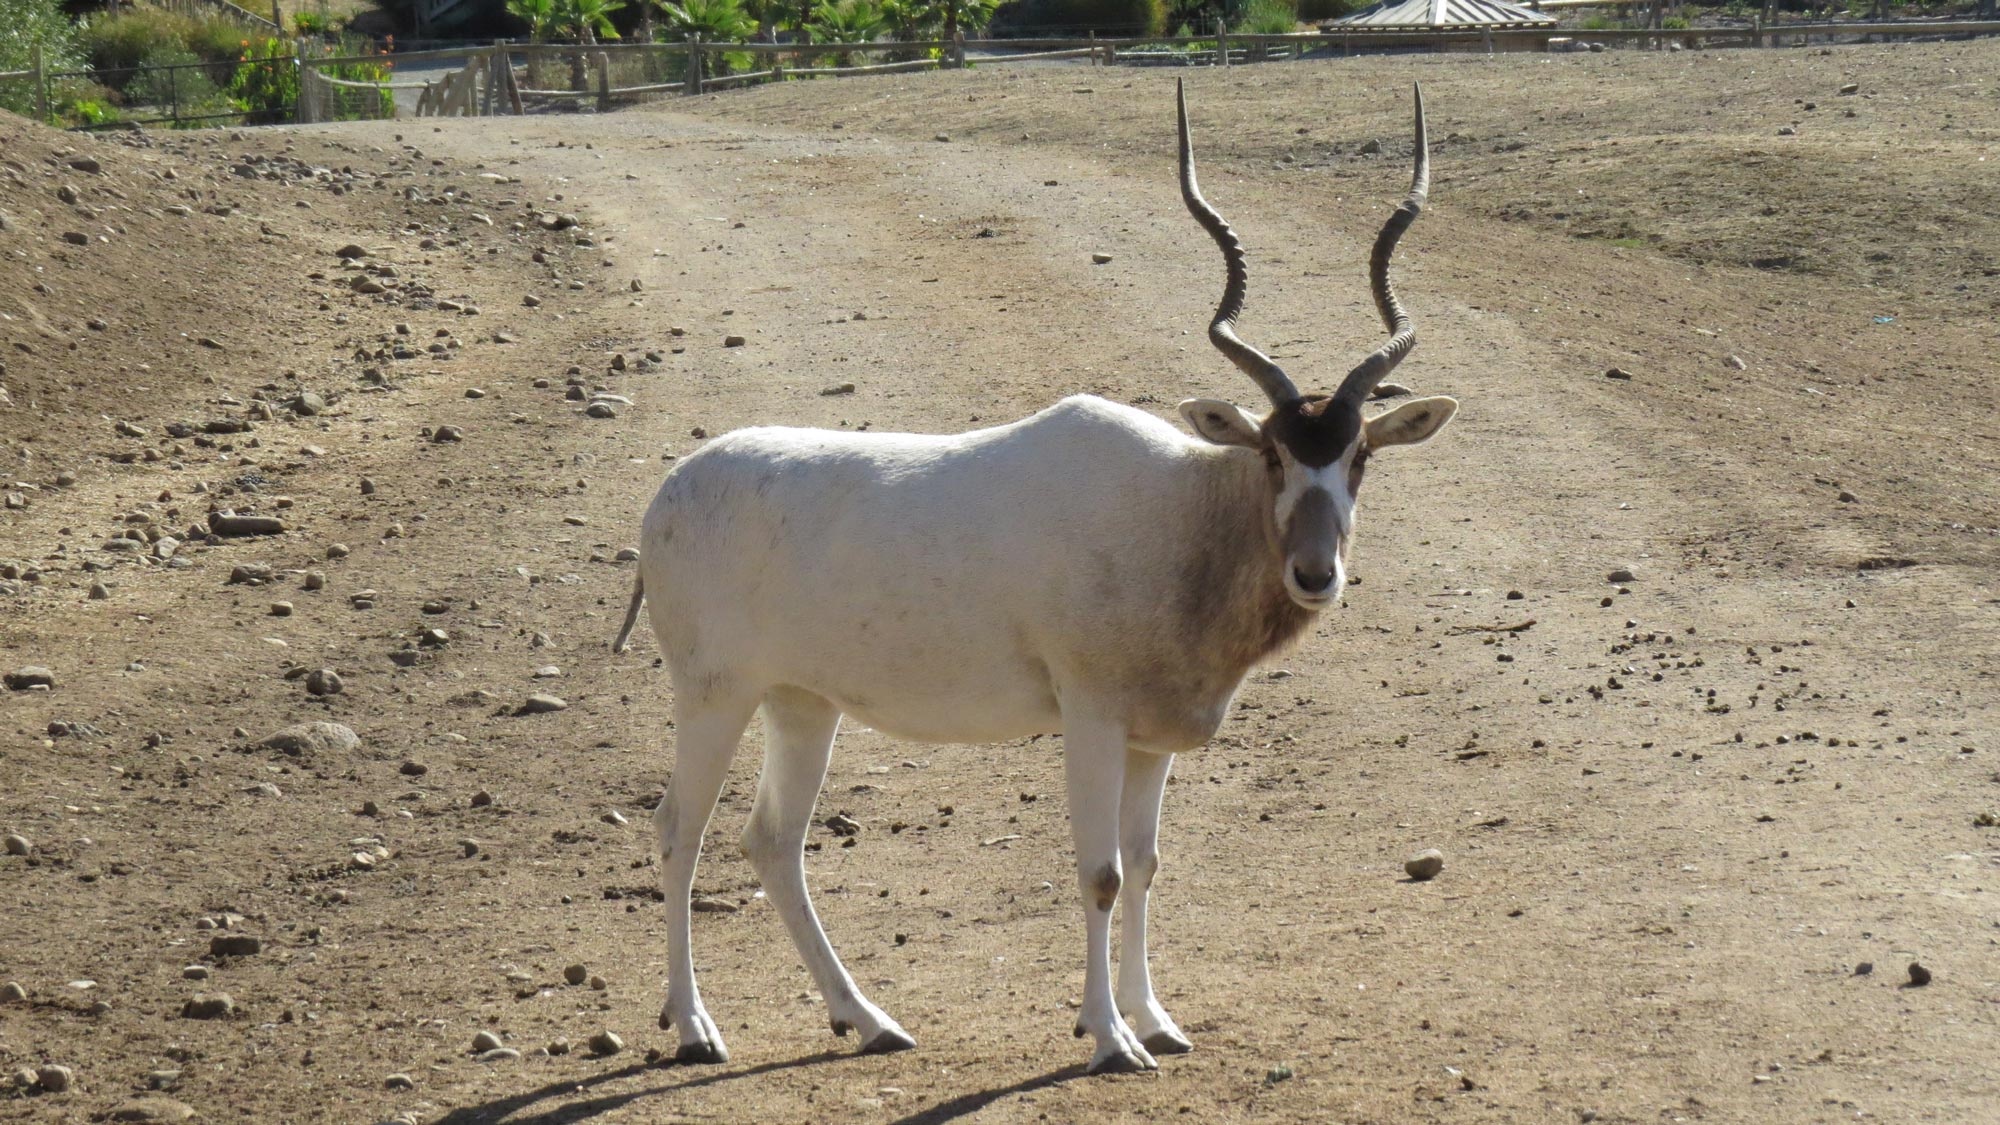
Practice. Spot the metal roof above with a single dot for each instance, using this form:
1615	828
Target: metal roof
1445	13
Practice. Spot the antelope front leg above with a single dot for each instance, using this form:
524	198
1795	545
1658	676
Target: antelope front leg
1095	763
1138	844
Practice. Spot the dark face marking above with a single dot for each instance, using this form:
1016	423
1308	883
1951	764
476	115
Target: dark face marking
1315	430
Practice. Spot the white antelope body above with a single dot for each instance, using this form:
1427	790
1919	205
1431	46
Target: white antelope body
1090	571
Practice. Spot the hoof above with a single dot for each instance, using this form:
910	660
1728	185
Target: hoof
888	1041
708	1054
1167	1043
1124	1062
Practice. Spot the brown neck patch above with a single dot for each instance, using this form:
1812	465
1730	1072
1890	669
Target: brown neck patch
1315	429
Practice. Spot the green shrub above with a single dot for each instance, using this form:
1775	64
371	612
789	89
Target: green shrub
266	84
312	23
1317	11
185	88
1269	17
1074	17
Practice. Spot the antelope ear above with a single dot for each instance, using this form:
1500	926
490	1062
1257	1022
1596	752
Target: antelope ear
1222	423
1412	422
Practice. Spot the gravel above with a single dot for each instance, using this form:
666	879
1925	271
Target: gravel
1425	865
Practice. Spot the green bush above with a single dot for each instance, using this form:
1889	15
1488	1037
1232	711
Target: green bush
1317	11
117	43
266	84
1269	17
1074	17
185	88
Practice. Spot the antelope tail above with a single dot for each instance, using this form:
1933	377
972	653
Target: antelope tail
631	615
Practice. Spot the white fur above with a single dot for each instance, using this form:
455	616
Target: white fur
1089	571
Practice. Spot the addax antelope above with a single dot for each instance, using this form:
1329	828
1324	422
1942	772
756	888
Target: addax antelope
1090	570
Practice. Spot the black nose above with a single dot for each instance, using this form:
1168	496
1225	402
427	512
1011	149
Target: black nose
1312	583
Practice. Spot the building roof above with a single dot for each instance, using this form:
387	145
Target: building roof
1398	14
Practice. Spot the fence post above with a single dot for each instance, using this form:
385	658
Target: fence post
958	49
603	82
693	80
1764	22
277	17
302	112
1093	47
41	82
1221	43
513	86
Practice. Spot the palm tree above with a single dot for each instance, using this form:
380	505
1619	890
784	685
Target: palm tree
716	21
539	15
848	21
587	20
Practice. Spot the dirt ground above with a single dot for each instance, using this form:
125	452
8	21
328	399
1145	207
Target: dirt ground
1680	813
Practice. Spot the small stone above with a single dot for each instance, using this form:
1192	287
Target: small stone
315	580
350	252
1388	390
559	1047
18	845
542	705
733	341
281	609
837	389
153	1110
1850	89
1787	131
601	410
474	392
12	992
1622	574
531	301
1919	976
1864	968
195	972
1425	865
312	738
399	1082
481	799
576	974
99	591
235	945
55	1079
31	676
1735	363
615	818
447	433
1617	373
599	984
205	1006
468	847
499	1054
484	1041
1847	497
708	905
1101	258
606	1043
367	486
323	681
338	550
413	769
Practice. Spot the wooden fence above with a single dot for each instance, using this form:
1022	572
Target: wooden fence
515	78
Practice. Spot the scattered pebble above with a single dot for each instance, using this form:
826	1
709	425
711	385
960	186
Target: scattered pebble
312	738
12	992
18	845
235	945
1919	976
30	677
1622	574
481	799
400	1082
152	1109
733	341
195	972
576	974
1425	865
55	1079
1101	258
707	905
315	580
206	1006
606	1043
499	1054
323	681
542	705
281	609
484	1041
